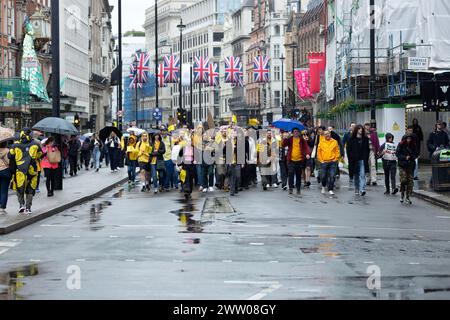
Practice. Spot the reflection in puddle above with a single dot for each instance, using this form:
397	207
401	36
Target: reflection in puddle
11	282
326	248
96	210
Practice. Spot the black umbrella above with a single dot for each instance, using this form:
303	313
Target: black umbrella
106	132
56	126
153	131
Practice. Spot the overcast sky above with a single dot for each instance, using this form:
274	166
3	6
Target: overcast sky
133	14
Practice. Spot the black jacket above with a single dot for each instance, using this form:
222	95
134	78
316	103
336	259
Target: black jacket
404	150
436	140
160	153
74	147
358	151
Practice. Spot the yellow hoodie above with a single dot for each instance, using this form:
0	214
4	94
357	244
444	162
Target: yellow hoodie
328	151
144	151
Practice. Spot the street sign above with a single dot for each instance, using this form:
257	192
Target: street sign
157	114
417	63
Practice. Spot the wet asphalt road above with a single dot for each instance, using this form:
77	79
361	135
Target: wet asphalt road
129	245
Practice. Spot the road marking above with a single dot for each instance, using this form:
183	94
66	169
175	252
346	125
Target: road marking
113	237
2	251
177	261
369	262
256	244
251	282
8	244
274	262
80	260
320	262
37	236
369	228
414	263
130	260
76	237
149	237
377	240
261	295
443	217
55	226
35	260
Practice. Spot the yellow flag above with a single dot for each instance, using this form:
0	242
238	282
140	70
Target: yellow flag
234	119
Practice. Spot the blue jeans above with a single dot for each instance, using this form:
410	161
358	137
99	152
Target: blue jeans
96	157
328	171
171	176
5	179
360	176
157	175
199	169
208	175
132	170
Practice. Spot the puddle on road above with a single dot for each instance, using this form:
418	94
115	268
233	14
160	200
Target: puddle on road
96	211
12	281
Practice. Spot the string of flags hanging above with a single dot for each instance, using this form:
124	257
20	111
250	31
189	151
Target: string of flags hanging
207	72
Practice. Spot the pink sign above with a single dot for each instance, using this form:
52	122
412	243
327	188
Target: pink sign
302	78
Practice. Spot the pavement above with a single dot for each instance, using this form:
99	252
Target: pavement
422	188
86	186
256	246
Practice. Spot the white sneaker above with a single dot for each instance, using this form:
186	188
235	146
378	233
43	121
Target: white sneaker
331	193
211	189
200	189
205	190
275	185
268	186
323	191
2	212
156	191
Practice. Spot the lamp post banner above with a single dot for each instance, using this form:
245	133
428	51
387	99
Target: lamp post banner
317	66
302	79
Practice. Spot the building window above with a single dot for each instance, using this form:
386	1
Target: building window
218	36
276	51
277	73
277	30
277	96
217	51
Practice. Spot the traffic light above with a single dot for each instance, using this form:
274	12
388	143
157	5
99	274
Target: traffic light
77	121
182	116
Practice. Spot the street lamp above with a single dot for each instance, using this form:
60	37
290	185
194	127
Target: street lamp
191	93
120	85
293	46
283	113
373	112
181	27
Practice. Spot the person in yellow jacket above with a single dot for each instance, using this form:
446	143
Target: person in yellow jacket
328	154
144	150
131	155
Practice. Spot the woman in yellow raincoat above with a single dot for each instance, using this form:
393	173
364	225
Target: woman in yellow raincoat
24	157
144	150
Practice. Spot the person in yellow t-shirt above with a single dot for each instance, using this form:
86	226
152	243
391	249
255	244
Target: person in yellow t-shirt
158	166
131	159
328	154
144	150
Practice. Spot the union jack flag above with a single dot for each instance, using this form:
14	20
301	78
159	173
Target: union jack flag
171	69
240	78
233	69
261	69
133	84
213	74
201	69
160	76
142	66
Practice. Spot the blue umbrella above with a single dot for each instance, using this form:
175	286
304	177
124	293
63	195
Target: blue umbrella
288	125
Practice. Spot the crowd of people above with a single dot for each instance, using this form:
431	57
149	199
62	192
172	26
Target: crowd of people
228	158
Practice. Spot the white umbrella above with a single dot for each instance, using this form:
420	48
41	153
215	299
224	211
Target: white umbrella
138	132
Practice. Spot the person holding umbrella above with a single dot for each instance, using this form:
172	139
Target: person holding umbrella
298	150
113	143
24	156
50	163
